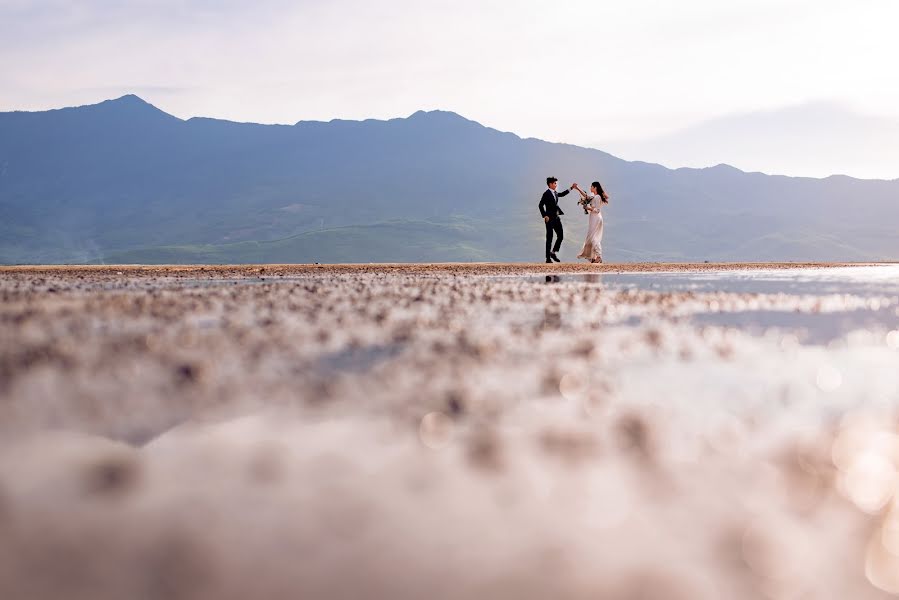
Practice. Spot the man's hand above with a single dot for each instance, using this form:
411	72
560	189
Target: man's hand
546	219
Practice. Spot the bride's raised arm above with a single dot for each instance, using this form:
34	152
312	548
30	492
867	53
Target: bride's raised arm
583	195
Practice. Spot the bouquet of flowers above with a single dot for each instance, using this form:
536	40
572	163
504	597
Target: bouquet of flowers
586	203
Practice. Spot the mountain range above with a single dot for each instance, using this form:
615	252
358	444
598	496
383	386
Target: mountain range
122	181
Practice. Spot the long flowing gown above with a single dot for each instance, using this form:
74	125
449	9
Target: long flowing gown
592	249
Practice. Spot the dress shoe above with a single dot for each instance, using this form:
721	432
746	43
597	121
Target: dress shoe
554	257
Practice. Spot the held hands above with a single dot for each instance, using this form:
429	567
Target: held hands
574	186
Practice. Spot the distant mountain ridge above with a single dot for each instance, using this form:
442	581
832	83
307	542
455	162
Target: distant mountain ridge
123	181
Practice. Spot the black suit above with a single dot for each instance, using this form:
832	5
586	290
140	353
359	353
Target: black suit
549	207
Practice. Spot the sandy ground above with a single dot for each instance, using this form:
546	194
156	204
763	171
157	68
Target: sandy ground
410	431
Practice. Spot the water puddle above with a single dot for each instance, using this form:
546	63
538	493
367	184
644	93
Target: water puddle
357	360
869	293
866	281
809	328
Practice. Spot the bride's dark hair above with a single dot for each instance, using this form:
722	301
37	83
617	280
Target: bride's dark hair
602	194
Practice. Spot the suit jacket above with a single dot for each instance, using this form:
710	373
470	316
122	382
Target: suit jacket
548	205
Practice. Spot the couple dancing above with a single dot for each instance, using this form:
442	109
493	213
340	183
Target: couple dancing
549	208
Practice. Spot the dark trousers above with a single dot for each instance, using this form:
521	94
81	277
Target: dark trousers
553	225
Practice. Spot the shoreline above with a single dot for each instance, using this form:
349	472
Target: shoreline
426	268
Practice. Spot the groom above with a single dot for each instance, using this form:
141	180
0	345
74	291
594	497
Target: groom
549	208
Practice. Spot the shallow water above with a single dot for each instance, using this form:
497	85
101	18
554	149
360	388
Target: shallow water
357	360
862	298
878	280
809	328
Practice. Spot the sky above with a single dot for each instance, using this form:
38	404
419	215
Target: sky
645	79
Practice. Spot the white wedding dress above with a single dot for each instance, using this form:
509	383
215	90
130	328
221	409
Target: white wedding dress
592	249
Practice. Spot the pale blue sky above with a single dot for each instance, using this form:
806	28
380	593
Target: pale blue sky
612	74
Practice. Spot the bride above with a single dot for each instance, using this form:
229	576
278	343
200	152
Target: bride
592	249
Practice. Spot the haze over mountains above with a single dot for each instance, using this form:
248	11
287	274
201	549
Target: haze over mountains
816	139
122	181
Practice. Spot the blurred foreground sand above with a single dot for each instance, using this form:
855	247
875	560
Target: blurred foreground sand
412	431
